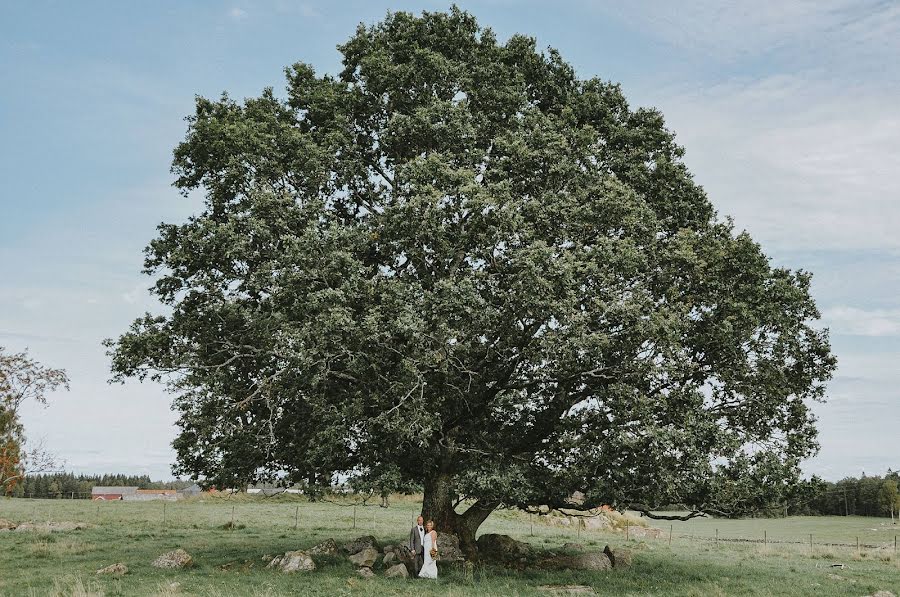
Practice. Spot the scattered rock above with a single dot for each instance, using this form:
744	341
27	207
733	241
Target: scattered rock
448	548
839	577
567	589
325	548
366	573
118	569
293	561
619	558
174	559
398	571
359	544
502	548
6	525
365	558
596	523
389	558
882	594
51	527
644	532
388	549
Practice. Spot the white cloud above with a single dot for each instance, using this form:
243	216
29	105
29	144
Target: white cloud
801	161
724	31
862	322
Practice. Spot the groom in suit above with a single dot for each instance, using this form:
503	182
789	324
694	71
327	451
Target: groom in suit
417	543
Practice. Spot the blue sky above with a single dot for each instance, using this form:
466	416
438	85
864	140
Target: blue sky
788	111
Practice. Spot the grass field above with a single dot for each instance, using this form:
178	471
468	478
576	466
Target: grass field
232	562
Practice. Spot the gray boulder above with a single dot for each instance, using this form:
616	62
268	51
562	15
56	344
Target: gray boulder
325	548
118	569
293	561
619	558
397	571
365	558
594	560
174	559
366	573
502	549
389	559
448	548
359	544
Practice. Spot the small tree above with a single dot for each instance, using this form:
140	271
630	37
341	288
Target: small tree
21	380
889	497
457	264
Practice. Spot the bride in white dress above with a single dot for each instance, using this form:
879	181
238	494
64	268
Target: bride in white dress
429	568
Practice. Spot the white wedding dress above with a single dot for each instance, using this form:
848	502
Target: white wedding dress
429	568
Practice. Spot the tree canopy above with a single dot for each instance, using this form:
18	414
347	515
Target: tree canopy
457	263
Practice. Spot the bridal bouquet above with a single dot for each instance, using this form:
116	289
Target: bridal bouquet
433	553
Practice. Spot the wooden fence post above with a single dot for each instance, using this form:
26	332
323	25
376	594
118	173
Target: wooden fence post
164	513
810	543
232	518
670	534
765	538
296	517
354	517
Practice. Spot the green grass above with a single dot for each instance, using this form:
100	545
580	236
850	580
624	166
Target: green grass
232	562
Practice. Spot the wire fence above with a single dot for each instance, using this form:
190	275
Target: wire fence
394	520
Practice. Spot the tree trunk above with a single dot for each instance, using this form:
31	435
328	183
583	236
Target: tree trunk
437	505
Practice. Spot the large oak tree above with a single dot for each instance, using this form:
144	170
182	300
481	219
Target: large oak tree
458	264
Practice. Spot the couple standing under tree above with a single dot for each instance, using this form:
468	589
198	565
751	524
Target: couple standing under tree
423	544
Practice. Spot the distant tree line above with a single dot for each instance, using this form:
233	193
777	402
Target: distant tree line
69	485
863	496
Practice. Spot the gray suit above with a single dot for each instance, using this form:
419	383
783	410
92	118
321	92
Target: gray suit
416	547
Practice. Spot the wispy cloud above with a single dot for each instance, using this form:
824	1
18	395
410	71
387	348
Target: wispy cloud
724	31
863	322
800	160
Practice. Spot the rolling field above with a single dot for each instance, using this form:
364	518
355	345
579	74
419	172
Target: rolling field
232	561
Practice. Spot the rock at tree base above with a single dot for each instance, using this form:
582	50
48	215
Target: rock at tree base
118	569
407	558
325	548
567	589
173	559
448	548
596	560
389	559
359	544
398	571
366	573
502	548
619	558
366	558
293	561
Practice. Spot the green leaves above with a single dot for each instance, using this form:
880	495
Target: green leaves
457	261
